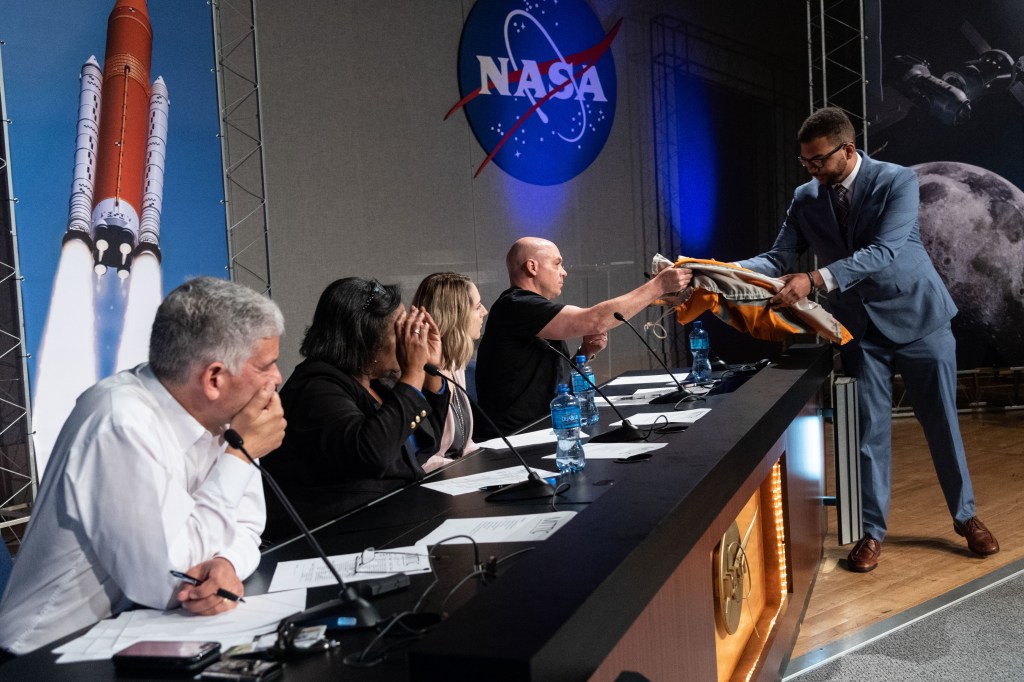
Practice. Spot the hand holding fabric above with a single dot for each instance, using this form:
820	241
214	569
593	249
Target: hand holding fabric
797	287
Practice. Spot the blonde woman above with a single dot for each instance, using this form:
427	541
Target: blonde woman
454	303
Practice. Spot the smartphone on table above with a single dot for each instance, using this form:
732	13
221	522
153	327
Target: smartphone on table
156	656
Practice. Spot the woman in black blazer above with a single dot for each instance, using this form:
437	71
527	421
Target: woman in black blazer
363	416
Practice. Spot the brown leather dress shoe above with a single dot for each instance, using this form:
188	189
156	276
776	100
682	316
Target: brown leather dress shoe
864	555
979	539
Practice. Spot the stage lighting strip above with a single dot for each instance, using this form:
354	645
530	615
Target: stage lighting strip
780	554
780	531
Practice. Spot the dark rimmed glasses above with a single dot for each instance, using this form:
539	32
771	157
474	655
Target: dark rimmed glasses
365	560
819	161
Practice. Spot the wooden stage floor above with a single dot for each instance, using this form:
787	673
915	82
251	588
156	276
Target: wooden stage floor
922	557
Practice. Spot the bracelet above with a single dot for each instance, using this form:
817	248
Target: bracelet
810	278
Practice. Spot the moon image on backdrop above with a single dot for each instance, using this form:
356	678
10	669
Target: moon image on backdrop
972	224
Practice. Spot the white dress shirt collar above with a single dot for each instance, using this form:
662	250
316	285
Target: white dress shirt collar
186	428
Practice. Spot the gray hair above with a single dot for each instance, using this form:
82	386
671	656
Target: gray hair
209	320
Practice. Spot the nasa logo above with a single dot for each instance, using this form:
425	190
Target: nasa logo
537	82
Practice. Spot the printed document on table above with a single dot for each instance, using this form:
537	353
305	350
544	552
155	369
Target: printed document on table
616	450
473	482
674	417
648	379
257	615
642	396
290	575
523	528
521	440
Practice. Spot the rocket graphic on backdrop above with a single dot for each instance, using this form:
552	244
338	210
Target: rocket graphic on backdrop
113	226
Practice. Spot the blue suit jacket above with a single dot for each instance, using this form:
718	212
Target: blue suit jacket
882	269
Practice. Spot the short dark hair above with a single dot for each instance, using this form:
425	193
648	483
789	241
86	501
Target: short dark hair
831	123
350	323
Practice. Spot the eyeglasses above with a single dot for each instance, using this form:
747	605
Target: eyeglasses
373	561
819	161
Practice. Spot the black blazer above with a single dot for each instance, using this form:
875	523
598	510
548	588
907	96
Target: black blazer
341	449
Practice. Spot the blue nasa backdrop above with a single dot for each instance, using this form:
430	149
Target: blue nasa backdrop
565	134
42	57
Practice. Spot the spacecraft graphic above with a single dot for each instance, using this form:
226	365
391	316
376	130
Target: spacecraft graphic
952	98
108	275
122	135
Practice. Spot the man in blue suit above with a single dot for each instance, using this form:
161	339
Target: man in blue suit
859	217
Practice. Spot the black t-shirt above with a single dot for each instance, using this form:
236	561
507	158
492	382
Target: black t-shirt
516	372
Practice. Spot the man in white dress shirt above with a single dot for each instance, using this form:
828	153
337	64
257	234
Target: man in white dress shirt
140	481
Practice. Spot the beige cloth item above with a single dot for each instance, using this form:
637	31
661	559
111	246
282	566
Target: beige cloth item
740	297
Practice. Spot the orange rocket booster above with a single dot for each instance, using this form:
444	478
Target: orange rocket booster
121	147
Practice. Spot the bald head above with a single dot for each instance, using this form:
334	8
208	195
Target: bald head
523	250
535	264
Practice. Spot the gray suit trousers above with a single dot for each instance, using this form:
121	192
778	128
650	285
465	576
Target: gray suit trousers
928	368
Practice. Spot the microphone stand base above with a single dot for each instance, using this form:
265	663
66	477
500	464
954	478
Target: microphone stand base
530	489
627	433
671	398
348	612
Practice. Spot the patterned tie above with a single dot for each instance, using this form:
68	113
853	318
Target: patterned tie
842	207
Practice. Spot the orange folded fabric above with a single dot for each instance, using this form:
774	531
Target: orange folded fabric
740	298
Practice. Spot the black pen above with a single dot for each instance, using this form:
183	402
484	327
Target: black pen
489	488
221	592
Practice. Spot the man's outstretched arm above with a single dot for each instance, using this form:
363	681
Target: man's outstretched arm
572	321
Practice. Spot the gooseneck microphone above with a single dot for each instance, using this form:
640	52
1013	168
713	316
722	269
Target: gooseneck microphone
534	486
349	610
674	396
626	433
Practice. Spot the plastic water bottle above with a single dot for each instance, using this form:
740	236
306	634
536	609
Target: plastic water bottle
700	346
565	419
584	391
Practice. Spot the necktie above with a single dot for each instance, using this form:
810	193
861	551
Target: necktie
842	207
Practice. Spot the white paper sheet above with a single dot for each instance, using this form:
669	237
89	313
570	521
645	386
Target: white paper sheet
616	450
257	615
473	482
648	379
521	528
521	440
290	575
623	400
642	396
673	417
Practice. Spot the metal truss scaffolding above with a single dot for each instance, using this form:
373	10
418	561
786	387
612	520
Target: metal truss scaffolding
17	457
835	60
835	52
682	49
238	94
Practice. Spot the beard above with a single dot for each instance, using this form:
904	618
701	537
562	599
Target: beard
833	177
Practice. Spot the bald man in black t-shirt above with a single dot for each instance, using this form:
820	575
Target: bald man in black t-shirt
516	373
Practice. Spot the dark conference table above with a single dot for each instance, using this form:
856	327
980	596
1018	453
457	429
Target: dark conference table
572	607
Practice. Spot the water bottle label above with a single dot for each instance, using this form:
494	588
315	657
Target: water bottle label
565	418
